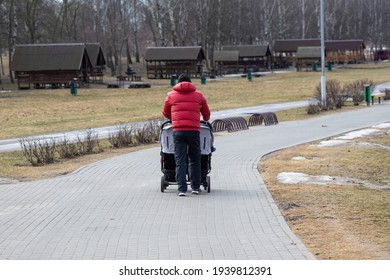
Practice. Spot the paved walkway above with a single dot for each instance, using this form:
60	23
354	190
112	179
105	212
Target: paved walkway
113	209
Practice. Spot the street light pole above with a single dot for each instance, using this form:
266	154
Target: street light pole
323	79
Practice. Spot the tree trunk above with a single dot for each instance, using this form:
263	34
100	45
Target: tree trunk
11	36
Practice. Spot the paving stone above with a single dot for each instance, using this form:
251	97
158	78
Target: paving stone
113	209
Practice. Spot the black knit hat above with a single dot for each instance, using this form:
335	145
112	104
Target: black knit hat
184	78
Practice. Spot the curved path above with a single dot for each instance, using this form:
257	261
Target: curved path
113	209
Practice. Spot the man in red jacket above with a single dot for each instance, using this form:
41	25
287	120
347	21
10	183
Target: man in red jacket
183	106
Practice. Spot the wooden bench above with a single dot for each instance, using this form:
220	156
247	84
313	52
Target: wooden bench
122	78
378	95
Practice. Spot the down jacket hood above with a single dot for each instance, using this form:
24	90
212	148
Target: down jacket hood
184	105
184	87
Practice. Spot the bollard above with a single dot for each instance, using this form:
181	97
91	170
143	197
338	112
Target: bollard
367	94
249	76
203	79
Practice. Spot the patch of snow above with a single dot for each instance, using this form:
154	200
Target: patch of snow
382	125
358	133
366	144
5	181
298	158
302	178
333	142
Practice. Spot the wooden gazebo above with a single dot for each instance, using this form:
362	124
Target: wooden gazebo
98	61
226	62
308	58
50	64
252	57
163	62
345	51
285	51
337	51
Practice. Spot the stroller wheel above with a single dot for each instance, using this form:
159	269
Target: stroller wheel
207	184
163	184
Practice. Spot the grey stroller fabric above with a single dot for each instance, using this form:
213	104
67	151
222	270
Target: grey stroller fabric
206	139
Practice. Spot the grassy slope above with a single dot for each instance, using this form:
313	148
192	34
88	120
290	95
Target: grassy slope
32	112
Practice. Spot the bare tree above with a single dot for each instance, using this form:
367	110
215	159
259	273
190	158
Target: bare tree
11	35
126	27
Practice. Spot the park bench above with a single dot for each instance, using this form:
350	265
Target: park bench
378	96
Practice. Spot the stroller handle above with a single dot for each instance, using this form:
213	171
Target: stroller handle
166	122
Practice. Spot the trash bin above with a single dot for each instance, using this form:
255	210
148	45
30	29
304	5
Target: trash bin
314	66
249	76
330	65
173	80
203	79
73	87
367	94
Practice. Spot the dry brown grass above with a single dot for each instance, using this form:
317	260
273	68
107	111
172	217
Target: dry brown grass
336	221
30	112
14	166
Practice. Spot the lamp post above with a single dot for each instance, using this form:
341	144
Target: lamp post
323	78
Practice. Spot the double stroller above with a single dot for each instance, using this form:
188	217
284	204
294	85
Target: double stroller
168	165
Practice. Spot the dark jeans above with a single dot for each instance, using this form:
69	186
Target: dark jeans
187	147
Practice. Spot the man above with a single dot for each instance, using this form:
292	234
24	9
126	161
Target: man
183	106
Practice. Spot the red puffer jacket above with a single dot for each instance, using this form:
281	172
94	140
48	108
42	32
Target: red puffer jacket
184	105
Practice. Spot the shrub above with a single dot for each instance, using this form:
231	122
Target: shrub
331	88
355	90
90	143
314	107
123	137
68	149
337	95
335	92
38	151
42	151
148	133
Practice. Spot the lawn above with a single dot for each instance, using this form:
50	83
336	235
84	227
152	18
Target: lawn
31	112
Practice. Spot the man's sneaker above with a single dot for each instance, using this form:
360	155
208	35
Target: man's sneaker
181	194
196	191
